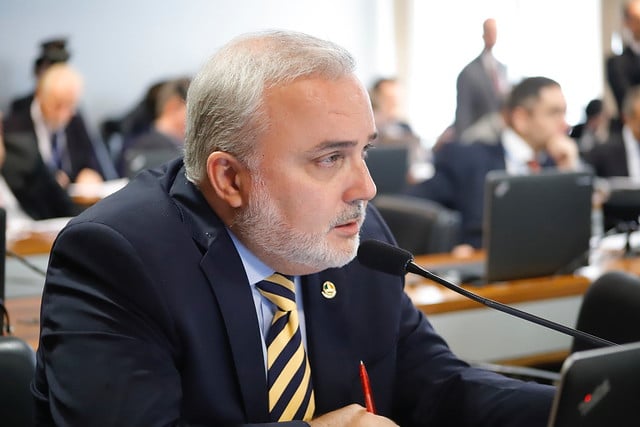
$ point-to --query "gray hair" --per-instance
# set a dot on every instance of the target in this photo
(225, 100)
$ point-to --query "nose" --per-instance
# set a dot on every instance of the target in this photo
(362, 186)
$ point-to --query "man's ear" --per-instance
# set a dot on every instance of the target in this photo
(520, 119)
(225, 175)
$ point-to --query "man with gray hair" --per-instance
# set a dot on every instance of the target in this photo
(224, 291)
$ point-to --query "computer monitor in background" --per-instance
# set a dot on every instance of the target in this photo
(536, 225)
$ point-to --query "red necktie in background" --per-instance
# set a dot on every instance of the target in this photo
(534, 166)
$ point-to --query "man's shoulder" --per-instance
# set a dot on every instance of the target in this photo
(472, 152)
(153, 139)
(471, 67)
(18, 121)
(143, 201)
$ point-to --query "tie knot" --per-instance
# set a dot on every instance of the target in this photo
(280, 290)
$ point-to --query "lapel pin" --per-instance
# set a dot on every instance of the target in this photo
(328, 290)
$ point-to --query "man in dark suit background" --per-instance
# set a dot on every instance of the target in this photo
(620, 155)
(623, 71)
(152, 312)
(48, 144)
(535, 131)
(165, 140)
(482, 84)
(53, 51)
(59, 134)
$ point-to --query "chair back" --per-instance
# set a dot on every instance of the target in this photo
(420, 226)
(610, 309)
(17, 368)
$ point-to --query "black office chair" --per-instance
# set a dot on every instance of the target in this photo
(17, 367)
(610, 309)
(420, 226)
(621, 207)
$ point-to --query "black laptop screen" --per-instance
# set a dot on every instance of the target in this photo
(536, 225)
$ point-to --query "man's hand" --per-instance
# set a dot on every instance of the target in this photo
(351, 416)
(564, 152)
(89, 176)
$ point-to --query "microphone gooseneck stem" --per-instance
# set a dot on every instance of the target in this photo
(412, 267)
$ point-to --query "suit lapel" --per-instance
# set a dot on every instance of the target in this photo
(225, 273)
(230, 286)
(326, 321)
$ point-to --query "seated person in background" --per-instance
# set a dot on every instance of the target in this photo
(15, 213)
(57, 136)
(119, 133)
(620, 155)
(53, 51)
(165, 140)
(392, 128)
(31, 183)
(593, 131)
(274, 178)
(535, 134)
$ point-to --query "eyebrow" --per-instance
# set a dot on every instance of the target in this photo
(332, 145)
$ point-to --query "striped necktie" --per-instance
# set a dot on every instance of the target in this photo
(288, 371)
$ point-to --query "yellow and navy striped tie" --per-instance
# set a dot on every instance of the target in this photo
(288, 371)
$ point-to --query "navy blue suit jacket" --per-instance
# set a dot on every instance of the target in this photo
(146, 322)
(79, 152)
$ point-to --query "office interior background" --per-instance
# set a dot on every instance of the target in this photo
(123, 46)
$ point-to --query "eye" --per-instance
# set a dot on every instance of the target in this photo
(331, 159)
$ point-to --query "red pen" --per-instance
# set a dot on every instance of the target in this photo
(366, 389)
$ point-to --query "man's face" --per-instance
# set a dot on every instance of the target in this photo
(308, 196)
(632, 20)
(633, 121)
(58, 105)
(546, 118)
(489, 33)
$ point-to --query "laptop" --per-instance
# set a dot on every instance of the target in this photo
(533, 225)
(389, 166)
(598, 388)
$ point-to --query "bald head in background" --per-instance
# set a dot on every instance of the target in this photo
(489, 33)
(58, 94)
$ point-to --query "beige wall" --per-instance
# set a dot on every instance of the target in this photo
(611, 23)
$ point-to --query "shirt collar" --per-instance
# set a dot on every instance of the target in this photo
(256, 270)
(517, 149)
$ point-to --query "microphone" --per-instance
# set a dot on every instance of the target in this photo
(390, 259)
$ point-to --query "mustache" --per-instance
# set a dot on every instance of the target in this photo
(355, 212)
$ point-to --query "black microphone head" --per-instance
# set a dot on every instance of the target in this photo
(384, 257)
